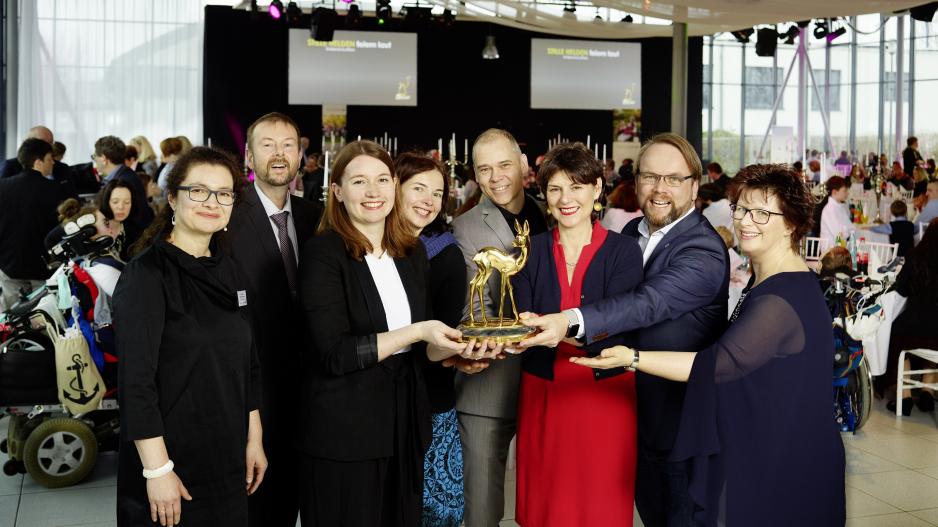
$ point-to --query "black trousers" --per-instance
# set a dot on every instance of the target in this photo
(661, 490)
(356, 494)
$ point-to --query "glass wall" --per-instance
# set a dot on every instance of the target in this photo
(852, 81)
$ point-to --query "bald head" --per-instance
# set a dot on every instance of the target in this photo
(40, 132)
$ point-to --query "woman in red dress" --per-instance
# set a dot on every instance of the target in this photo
(576, 426)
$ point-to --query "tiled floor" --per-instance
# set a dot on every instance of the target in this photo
(892, 481)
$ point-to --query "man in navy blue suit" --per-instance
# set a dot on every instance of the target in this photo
(681, 305)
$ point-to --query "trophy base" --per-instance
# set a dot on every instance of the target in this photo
(503, 331)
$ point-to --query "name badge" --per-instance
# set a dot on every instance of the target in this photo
(242, 298)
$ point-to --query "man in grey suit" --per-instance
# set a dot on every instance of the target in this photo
(486, 403)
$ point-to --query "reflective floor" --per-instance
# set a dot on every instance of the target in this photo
(892, 481)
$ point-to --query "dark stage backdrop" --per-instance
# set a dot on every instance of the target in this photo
(245, 76)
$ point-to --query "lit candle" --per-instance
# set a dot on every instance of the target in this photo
(323, 147)
(439, 147)
(587, 141)
(325, 179)
(385, 139)
(465, 151)
(359, 138)
(395, 146)
(604, 154)
(596, 151)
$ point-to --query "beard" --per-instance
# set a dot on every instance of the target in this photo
(657, 217)
(264, 172)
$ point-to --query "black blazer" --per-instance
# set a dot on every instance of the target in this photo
(27, 213)
(615, 269)
(348, 404)
(680, 306)
(278, 324)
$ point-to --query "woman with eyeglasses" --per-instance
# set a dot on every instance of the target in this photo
(188, 372)
(756, 424)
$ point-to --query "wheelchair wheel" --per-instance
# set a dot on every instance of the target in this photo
(864, 392)
(60, 452)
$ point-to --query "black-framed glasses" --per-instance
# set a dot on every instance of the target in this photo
(759, 216)
(649, 179)
(201, 195)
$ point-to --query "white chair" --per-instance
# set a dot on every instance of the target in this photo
(908, 194)
(904, 380)
(885, 252)
(812, 248)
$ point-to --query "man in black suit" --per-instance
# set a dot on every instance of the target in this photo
(267, 228)
(680, 305)
(61, 173)
(109, 152)
(28, 204)
(911, 158)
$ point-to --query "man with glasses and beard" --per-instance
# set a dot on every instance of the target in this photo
(267, 228)
(681, 305)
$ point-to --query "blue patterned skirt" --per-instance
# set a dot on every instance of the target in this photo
(442, 485)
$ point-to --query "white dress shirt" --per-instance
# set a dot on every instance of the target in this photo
(270, 209)
(835, 221)
(647, 242)
(392, 293)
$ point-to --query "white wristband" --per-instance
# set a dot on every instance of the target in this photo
(159, 472)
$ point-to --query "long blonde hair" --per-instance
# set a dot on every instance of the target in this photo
(144, 149)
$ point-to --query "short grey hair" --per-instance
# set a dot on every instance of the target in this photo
(492, 135)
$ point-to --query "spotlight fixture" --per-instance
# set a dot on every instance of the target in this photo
(803, 23)
(597, 19)
(490, 52)
(627, 19)
(836, 33)
(766, 42)
(322, 27)
(790, 35)
(416, 18)
(275, 9)
(743, 35)
(383, 11)
(294, 13)
(448, 18)
(924, 12)
(820, 29)
(569, 11)
(353, 16)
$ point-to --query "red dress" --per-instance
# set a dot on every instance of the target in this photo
(576, 435)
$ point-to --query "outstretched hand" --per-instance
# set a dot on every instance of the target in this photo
(467, 365)
(614, 357)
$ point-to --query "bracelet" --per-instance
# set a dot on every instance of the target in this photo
(159, 472)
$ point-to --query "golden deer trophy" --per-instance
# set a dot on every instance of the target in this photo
(488, 260)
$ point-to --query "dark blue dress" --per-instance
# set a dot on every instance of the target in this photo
(757, 423)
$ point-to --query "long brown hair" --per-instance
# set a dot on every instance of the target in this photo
(398, 239)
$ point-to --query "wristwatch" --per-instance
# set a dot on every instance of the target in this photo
(634, 364)
(573, 324)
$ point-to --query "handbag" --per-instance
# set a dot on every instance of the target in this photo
(80, 386)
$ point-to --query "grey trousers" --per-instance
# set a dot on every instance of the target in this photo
(10, 289)
(485, 443)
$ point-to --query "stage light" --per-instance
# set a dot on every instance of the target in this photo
(416, 18)
(766, 42)
(448, 18)
(743, 35)
(294, 13)
(627, 19)
(836, 33)
(322, 27)
(353, 16)
(924, 12)
(490, 52)
(383, 11)
(790, 35)
(569, 11)
(820, 29)
(275, 9)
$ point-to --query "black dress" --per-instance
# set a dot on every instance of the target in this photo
(188, 373)
(757, 422)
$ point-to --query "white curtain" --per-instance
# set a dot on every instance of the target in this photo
(90, 68)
